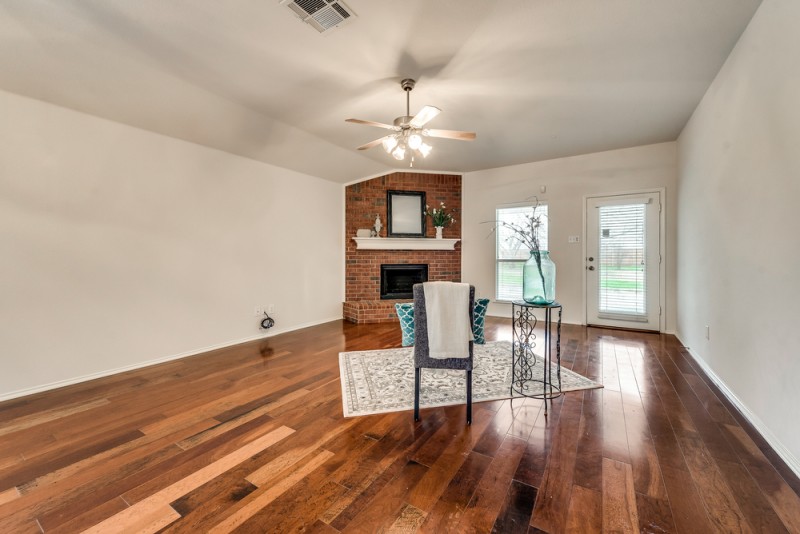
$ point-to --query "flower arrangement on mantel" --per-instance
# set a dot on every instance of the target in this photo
(439, 217)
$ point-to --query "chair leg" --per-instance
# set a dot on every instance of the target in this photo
(469, 397)
(417, 378)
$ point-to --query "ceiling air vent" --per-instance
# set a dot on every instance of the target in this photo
(323, 15)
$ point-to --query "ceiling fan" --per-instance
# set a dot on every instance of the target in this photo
(409, 132)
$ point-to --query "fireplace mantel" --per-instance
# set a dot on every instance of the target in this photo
(405, 243)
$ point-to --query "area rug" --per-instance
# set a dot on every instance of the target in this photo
(379, 381)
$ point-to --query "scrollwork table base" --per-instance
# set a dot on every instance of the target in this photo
(524, 358)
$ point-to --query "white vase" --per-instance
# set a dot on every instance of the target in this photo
(439, 231)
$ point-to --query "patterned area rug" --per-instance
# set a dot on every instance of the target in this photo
(379, 381)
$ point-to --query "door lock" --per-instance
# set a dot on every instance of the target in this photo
(591, 267)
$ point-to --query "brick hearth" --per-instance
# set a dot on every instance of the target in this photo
(362, 271)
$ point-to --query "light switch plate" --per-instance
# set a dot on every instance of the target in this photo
(574, 239)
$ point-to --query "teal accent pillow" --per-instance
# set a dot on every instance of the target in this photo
(479, 313)
(405, 311)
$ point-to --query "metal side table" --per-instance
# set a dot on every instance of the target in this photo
(523, 358)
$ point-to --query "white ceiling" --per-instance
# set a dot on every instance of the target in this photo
(536, 79)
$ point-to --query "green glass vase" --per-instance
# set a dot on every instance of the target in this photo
(539, 279)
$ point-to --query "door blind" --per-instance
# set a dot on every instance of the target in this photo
(622, 277)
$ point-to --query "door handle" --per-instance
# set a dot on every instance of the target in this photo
(591, 267)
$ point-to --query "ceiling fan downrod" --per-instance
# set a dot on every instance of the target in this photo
(408, 84)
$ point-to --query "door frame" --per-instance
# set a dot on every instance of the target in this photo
(662, 248)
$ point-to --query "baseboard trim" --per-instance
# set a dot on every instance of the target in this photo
(784, 453)
(100, 374)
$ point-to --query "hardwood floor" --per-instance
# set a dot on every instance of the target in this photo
(251, 439)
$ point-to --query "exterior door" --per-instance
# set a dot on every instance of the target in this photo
(623, 261)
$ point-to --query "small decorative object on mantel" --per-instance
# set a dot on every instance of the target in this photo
(378, 225)
(440, 218)
(539, 271)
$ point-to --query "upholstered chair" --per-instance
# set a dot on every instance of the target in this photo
(422, 357)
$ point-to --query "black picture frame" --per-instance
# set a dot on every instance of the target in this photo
(406, 213)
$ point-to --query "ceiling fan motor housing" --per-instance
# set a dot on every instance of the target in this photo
(402, 122)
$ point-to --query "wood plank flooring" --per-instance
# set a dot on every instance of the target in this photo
(251, 438)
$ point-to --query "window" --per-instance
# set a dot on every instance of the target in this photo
(511, 254)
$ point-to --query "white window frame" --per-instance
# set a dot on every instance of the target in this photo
(497, 260)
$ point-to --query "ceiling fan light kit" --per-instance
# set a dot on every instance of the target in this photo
(409, 132)
(389, 142)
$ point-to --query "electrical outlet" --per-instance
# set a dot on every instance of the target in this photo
(258, 311)
(271, 309)
(708, 332)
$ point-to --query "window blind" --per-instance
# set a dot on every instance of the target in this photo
(622, 277)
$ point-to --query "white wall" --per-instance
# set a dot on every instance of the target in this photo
(738, 241)
(120, 246)
(568, 180)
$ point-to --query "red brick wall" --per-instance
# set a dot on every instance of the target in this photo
(371, 311)
(362, 270)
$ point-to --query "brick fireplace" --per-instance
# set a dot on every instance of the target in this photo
(364, 200)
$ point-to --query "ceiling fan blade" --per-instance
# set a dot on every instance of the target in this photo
(373, 143)
(451, 134)
(372, 123)
(425, 115)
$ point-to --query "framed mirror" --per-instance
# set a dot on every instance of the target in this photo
(406, 213)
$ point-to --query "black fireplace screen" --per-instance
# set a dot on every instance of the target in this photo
(397, 280)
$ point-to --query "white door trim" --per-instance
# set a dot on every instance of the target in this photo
(662, 249)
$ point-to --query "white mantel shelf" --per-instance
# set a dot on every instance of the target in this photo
(405, 243)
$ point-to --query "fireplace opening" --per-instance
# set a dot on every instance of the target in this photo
(397, 280)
